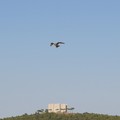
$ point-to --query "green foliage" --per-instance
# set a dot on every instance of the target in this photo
(71, 116)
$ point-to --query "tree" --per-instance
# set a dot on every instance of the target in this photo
(72, 108)
(40, 111)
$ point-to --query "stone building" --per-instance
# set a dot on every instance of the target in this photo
(57, 108)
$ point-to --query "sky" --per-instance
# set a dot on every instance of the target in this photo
(84, 73)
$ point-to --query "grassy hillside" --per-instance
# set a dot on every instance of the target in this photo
(53, 116)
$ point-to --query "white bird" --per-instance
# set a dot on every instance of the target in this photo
(56, 44)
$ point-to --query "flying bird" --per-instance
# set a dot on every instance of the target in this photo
(56, 44)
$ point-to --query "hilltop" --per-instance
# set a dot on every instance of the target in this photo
(71, 116)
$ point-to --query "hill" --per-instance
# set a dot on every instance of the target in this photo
(53, 116)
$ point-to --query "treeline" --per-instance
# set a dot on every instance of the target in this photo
(71, 116)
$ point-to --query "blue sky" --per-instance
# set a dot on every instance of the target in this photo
(84, 73)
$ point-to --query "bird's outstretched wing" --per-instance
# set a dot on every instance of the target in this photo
(60, 43)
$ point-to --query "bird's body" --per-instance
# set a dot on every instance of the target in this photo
(56, 44)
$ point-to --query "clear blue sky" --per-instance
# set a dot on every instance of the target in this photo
(84, 73)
